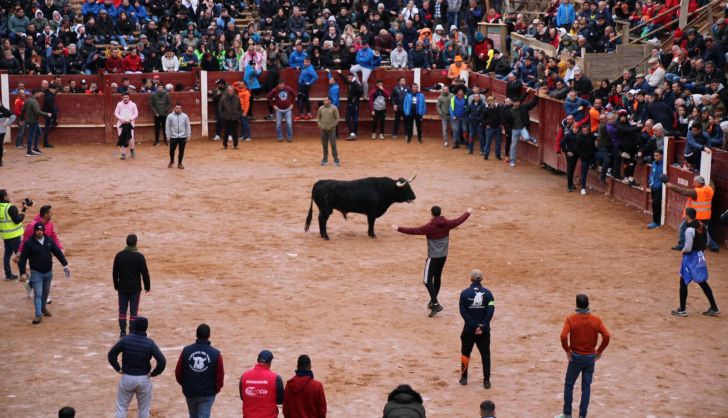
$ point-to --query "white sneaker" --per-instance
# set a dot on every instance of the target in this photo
(352, 135)
(374, 136)
(583, 192)
(241, 139)
(216, 138)
(445, 144)
(381, 136)
(512, 163)
(248, 139)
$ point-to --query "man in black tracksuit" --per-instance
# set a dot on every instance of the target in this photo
(356, 91)
(437, 232)
(397, 97)
(476, 307)
(130, 267)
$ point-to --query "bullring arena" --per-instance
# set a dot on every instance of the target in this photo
(225, 244)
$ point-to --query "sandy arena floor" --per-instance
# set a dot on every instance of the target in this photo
(225, 244)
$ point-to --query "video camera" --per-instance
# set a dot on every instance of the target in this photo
(27, 202)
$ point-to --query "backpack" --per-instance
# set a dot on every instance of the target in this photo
(380, 102)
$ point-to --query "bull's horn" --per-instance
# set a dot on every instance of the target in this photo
(412, 179)
(401, 183)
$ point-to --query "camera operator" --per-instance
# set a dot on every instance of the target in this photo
(11, 229)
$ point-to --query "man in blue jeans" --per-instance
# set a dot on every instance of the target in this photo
(201, 374)
(579, 339)
(39, 251)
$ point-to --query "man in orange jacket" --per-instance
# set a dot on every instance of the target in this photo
(579, 339)
(244, 95)
(700, 198)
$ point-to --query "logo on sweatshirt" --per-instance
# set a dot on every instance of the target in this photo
(283, 95)
(477, 300)
(199, 361)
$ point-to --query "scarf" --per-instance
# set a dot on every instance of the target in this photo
(582, 311)
(301, 373)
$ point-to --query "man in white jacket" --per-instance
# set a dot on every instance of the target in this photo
(178, 131)
(398, 57)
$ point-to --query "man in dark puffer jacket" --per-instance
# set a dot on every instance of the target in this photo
(404, 402)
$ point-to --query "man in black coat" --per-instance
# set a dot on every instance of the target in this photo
(130, 268)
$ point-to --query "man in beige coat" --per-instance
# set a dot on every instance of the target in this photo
(327, 119)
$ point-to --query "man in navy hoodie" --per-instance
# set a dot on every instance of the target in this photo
(438, 233)
(476, 307)
(136, 351)
(201, 374)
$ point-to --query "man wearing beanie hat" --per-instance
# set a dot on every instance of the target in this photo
(304, 396)
(136, 351)
(130, 269)
(39, 251)
(693, 266)
(261, 390)
(476, 307)
(579, 339)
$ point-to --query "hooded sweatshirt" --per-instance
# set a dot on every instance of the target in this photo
(304, 397)
(437, 232)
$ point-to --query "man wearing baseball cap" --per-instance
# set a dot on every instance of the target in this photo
(261, 390)
(39, 251)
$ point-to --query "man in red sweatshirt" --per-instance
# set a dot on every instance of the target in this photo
(304, 396)
(579, 339)
(437, 232)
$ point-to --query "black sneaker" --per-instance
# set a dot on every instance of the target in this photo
(677, 248)
(48, 146)
(714, 249)
(436, 308)
(463, 380)
(486, 384)
(11, 277)
(122, 334)
(429, 304)
(679, 312)
(712, 312)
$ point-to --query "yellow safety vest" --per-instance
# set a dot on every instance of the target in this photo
(8, 228)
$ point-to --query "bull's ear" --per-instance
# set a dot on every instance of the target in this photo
(401, 182)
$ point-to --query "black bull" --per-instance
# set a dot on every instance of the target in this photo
(371, 196)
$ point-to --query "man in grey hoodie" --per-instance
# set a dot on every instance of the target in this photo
(443, 109)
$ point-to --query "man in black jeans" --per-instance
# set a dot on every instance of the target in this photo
(160, 103)
(177, 128)
(397, 97)
(476, 307)
(130, 267)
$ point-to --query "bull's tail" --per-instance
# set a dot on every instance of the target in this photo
(310, 214)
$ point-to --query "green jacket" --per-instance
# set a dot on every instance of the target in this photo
(31, 110)
(160, 103)
(443, 105)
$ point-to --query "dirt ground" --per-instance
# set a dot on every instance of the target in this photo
(225, 244)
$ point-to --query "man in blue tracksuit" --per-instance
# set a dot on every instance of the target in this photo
(136, 351)
(656, 189)
(366, 62)
(201, 374)
(306, 79)
(414, 108)
(333, 89)
(458, 107)
(476, 307)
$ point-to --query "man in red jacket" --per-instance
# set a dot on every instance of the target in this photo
(304, 396)
(438, 233)
(261, 390)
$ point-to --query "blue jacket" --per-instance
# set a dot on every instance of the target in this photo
(197, 370)
(366, 58)
(251, 76)
(476, 307)
(458, 106)
(308, 76)
(295, 60)
(696, 144)
(655, 173)
(136, 353)
(407, 105)
(90, 9)
(565, 14)
(334, 92)
(572, 108)
(110, 10)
